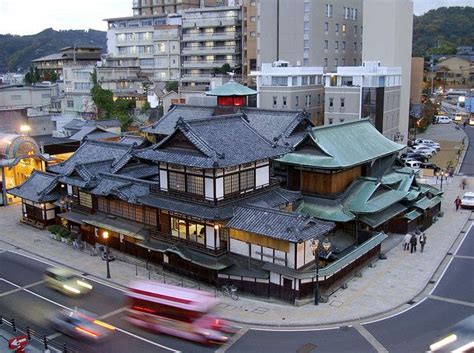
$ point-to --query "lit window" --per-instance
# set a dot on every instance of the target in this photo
(343, 28)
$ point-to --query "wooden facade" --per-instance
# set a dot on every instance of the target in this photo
(321, 181)
(42, 213)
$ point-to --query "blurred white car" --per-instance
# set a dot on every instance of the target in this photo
(467, 200)
(66, 281)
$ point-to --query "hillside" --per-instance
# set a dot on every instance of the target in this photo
(440, 31)
(16, 52)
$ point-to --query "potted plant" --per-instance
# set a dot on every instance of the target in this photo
(53, 229)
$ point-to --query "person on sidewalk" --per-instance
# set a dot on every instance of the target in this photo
(422, 241)
(407, 241)
(457, 202)
(413, 242)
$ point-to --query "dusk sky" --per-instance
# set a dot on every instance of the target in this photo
(84, 14)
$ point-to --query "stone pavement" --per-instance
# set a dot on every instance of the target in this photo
(391, 284)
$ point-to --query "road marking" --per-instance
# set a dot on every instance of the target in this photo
(19, 289)
(296, 330)
(464, 238)
(112, 313)
(117, 328)
(54, 335)
(233, 340)
(395, 314)
(454, 301)
(464, 257)
(370, 338)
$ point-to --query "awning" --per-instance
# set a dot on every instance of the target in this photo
(125, 227)
(376, 219)
(412, 215)
(434, 201)
(72, 216)
(423, 203)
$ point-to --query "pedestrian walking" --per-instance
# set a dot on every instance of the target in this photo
(407, 241)
(413, 242)
(422, 241)
(457, 202)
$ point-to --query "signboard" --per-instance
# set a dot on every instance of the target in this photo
(18, 343)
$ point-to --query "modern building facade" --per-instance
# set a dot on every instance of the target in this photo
(367, 91)
(283, 87)
(325, 33)
(416, 81)
(388, 31)
(211, 37)
(76, 98)
(249, 40)
(163, 7)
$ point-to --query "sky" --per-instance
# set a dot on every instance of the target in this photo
(85, 14)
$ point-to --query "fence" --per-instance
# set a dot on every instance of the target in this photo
(37, 339)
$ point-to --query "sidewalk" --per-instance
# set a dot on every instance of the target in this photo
(390, 284)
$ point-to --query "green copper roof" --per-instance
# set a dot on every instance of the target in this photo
(231, 88)
(341, 146)
(423, 203)
(412, 215)
(434, 201)
(334, 213)
(425, 188)
(376, 219)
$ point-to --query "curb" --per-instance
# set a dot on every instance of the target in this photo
(461, 159)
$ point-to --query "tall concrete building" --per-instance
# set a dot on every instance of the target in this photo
(249, 40)
(388, 31)
(283, 87)
(211, 37)
(325, 33)
(163, 7)
(366, 91)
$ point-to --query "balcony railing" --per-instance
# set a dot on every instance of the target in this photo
(210, 22)
(215, 50)
(210, 36)
(208, 64)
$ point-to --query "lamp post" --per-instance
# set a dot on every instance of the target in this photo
(105, 235)
(442, 175)
(315, 249)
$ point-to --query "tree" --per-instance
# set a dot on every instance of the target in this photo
(103, 100)
(223, 70)
(50, 75)
(171, 86)
(122, 110)
(32, 76)
(145, 108)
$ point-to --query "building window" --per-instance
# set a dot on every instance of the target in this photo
(176, 181)
(343, 102)
(294, 81)
(344, 28)
(195, 184)
(346, 13)
(336, 62)
(253, 3)
(296, 101)
(178, 227)
(328, 11)
(279, 81)
(306, 43)
(336, 44)
(331, 102)
(305, 62)
(231, 183)
(319, 98)
(326, 26)
(354, 61)
(253, 18)
(70, 103)
(306, 26)
(355, 29)
(325, 62)
(304, 80)
(306, 6)
(343, 62)
(330, 121)
(326, 44)
(337, 27)
(274, 101)
(312, 80)
(355, 46)
(355, 15)
(284, 101)
(253, 34)
(247, 180)
(343, 45)
(197, 232)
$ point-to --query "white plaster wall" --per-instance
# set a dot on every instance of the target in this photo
(275, 278)
(209, 188)
(279, 255)
(291, 256)
(210, 237)
(69, 189)
(262, 176)
(308, 252)
(239, 247)
(255, 249)
(219, 188)
(50, 214)
(300, 255)
(163, 180)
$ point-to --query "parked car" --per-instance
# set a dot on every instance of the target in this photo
(424, 150)
(413, 155)
(467, 200)
(413, 164)
(429, 143)
(443, 119)
(430, 166)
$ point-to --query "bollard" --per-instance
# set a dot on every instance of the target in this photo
(149, 274)
(164, 278)
(1, 320)
(45, 342)
(13, 325)
(28, 333)
(182, 282)
(64, 348)
(136, 270)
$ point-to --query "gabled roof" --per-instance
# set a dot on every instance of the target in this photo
(92, 151)
(85, 174)
(341, 146)
(277, 224)
(273, 124)
(123, 187)
(131, 140)
(39, 187)
(223, 142)
(231, 89)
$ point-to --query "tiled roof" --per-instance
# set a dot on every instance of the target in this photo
(125, 188)
(39, 187)
(130, 140)
(219, 142)
(272, 124)
(91, 151)
(341, 146)
(140, 171)
(231, 88)
(289, 226)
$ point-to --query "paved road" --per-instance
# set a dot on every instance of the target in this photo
(411, 331)
(25, 297)
(468, 163)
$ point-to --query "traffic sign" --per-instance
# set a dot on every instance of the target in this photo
(18, 343)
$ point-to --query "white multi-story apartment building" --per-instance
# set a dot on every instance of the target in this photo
(325, 33)
(367, 91)
(281, 86)
(211, 37)
(77, 84)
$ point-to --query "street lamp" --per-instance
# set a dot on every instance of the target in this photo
(315, 248)
(25, 129)
(442, 175)
(105, 235)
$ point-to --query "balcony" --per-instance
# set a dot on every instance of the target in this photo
(203, 64)
(196, 78)
(211, 22)
(203, 50)
(203, 37)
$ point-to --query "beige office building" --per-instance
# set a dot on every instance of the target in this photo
(388, 32)
(325, 33)
(163, 7)
(249, 40)
(416, 81)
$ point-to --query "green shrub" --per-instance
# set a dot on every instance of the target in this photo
(54, 229)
